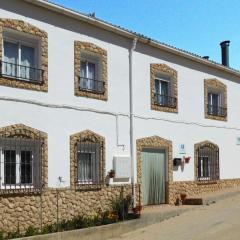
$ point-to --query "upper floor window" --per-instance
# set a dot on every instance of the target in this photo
(163, 92)
(90, 64)
(19, 163)
(90, 79)
(24, 55)
(163, 88)
(21, 58)
(216, 104)
(215, 99)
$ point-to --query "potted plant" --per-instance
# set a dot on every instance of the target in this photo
(137, 209)
(111, 173)
(187, 159)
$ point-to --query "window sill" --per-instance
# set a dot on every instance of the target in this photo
(161, 108)
(20, 79)
(89, 186)
(165, 106)
(206, 182)
(216, 117)
(91, 91)
(20, 191)
(23, 84)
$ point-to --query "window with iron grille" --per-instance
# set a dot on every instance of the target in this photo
(88, 163)
(208, 162)
(20, 161)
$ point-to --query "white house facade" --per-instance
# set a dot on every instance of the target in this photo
(80, 97)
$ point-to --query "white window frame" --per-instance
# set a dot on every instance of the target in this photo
(220, 101)
(20, 40)
(160, 80)
(89, 57)
(18, 169)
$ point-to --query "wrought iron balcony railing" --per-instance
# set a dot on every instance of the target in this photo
(215, 110)
(91, 85)
(21, 72)
(165, 101)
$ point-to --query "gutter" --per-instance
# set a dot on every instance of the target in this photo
(131, 114)
(108, 27)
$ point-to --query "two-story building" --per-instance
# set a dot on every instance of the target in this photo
(80, 97)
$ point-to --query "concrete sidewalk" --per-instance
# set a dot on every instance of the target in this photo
(217, 221)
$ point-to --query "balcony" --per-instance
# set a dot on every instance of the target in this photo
(91, 85)
(215, 110)
(21, 72)
(165, 101)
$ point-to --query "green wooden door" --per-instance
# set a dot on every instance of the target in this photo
(153, 176)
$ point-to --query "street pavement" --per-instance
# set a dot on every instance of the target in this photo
(219, 221)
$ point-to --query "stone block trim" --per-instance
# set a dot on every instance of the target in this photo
(93, 49)
(91, 137)
(25, 132)
(214, 84)
(164, 69)
(197, 146)
(27, 28)
(155, 142)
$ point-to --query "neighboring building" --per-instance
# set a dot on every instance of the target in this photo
(65, 116)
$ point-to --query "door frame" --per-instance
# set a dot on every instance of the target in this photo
(158, 143)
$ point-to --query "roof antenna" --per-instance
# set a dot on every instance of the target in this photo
(93, 15)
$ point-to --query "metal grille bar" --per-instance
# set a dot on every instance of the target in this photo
(208, 162)
(91, 85)
(217, 111)
(165, 101)
(25, 73)
(20, 164)
(89, 163)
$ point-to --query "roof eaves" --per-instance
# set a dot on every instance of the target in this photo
(130, 34)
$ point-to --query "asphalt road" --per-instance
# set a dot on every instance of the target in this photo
(220, 221)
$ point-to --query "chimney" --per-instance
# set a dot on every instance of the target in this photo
(225, 53)
(206, 57)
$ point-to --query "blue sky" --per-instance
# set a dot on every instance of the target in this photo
(194, 25)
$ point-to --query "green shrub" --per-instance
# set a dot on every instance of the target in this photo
(49, 229)
(1, 235)
(31, 231)
(122, 206)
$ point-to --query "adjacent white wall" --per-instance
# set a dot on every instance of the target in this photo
(61, 123)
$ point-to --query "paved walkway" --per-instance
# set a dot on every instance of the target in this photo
(220, 221)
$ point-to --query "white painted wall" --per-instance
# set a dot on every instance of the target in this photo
(61, 123)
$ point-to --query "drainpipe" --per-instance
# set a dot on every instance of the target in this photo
(131, 116)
